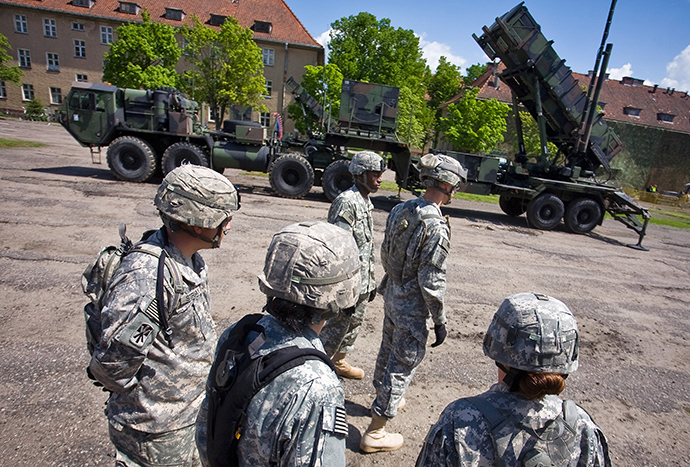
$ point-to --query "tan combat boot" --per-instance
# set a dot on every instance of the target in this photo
(344, 369)
(377, 439)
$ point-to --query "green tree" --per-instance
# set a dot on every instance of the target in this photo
(226, 66)
(475, 125)
(9, 73)
(530, 134)
(474, 72)
(442, 86)
(35, 110)
(319, 81)
(144, 56)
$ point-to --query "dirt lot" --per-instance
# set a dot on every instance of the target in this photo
(57, 210)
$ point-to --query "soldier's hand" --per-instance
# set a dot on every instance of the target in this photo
(440, 331)
(372, 295)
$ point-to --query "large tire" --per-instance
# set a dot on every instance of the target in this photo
(180, 153)
(291, 176)
(131, 159)
(582, 215)
(513, 206)
(545, 211)
(336, 179)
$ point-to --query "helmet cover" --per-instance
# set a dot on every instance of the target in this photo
(535, 333)
(366, 161)
(441, 168)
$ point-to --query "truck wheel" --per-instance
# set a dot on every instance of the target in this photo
(180, 153)
(131, 159)
(336, 179)
(545, 211)
(582, 215)
(512, 206)
(291, 176)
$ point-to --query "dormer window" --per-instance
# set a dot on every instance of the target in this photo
(632, 111)
(666, 118)
(630, 81)
(83, 3)
(217, 20)
(262, 26)
(174, 14)
(129, 8)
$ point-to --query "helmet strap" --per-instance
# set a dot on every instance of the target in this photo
(361, 182)
(512, 377)
(215, 241)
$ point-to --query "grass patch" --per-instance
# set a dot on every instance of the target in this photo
(256, 174)
(15, 143)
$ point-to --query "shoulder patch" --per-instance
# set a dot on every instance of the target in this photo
(139, 333)
(335, 420)
(348, 216)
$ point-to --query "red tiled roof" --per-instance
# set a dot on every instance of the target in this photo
(286, 26)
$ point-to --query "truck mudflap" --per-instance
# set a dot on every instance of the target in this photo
(624, 209)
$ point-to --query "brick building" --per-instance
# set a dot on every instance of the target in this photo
(56, 42)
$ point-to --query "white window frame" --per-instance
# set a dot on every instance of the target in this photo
(52, 61)
(265, 119)
(269, 89)
(82, 78)
(55, 95)
(49, 27)
(268, 56)
(27, 90)
(106, 35)
(20, 24)
(24, 58)
(79, 48)
(77, 26)
(3, 90)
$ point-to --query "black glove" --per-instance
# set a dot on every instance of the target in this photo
(440, 331)
(372, 295)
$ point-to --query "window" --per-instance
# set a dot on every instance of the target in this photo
(632, 111)
(267, 55)
(20, 24)
(77, 26)
(79, 49)
(28, 92)
(24, 58)
(55, 96)
(106, 35)
(84, 3)
(265, 119)
(174, 14)
(49, 28)
(216, 20)
(3, 90)
(666, 118)
(269, 88)
(82, 78)
(262, 26)
(53, 62)
(129, 8)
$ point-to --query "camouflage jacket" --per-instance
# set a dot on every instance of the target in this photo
(462, 436)
(352, 212)
(298, 419)
(154, 388)
(424, 272)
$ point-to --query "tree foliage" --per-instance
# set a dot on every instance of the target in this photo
(144, 56)
(473, 72)
(226, 66)
(530, 134)
(324, 83)
(9, 73)
(441, 87)
(474, 125)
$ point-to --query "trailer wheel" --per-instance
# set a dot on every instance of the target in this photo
(336, 179)
(512, 206)
(545, 211)
(181, 153)
(131, 159)
(291, 176)
(582, 215)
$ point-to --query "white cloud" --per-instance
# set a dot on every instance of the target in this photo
(323, 39)
(433, 51)
(620, 73)
(678, 72)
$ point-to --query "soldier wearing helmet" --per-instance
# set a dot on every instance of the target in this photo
(413, 253)
(156, 371)
(521, 421)
(351, 210)
(311, 274)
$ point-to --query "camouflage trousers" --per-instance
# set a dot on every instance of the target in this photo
(139, 449)
(339, 334)
(399, 355)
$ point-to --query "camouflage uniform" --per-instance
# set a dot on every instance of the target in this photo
(408, 305)
(291, 421)
(460, 437)
(350, 211)
(155, 389)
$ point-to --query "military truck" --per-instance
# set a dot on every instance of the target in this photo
(548, 188)
(147, 131)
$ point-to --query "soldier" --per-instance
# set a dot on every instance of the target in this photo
(157, 384)
(413, 254)
(311, 274)
(521, 420)
(351, 210)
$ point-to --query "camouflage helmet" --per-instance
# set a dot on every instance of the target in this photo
(314, 264)
(441, 168)
(196, 196)
(366, 161)
(535, 333)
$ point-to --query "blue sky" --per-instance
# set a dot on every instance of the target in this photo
(651, 39)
